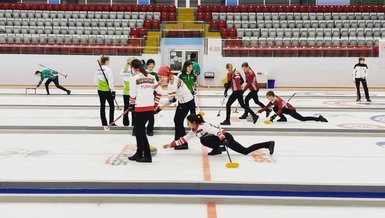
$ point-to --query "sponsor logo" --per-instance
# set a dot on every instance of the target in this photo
(261, 157)
(121, 159)
(378, 118)
(381, 144)
(21, 152)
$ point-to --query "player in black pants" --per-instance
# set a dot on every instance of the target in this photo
(234, 79)
(51, 76)
(213, 137)
(104, 80)
(280, 108)
(360, 73)
(253, 86)
(178, 91)
(142, 88)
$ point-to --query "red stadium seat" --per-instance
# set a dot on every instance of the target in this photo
(214, 25)
(147, 24)
(142, 32)
(233, 32)
(155, 24)
(172, 16)
(221, 24)
(200, 16)
(158, 8)
(164, 16)
(207, 17)
(224, 33)
(134, 32)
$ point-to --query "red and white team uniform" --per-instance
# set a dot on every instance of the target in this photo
(200, 130)
(279, 104)
(178, 89)
(145, 85)
(251, 81)
(235, 78)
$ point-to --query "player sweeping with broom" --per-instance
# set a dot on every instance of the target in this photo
(280, 108)
(177, 91)
(213, 137)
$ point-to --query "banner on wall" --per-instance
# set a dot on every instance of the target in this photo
(214, 47)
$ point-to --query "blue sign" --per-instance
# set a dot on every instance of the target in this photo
(53, 1)
(231, 2)
(143, 2)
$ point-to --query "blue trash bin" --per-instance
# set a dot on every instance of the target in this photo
(271, 83)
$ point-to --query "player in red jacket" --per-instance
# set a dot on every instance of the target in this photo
(235, 81)
(253, 86)
(281, 107)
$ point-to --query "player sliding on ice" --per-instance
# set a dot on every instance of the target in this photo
(280, 108)
(213, 137)
(51, 76)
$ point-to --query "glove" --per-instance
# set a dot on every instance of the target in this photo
(273, 117)
(227, 85)
(225, 142)
(225, 93)
(172, 100)
(193, 92)
(157, 110)
(113, 93)
(131, 108)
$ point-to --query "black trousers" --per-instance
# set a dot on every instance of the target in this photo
(295, 115)
(179, 117)
(214, 142)
(236, 95)
(150, 125)
(56, 82)
(193, 108)
(126, 120)
(103, 96)
(253, 95)
(143, 147)
(365, 85)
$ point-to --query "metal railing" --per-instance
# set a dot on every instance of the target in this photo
(185, 29)
(301, 51)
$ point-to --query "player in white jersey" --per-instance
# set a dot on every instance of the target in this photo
(178, 91)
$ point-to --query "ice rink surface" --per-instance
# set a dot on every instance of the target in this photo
(55, 144)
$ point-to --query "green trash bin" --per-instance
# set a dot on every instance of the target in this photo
(271, 83)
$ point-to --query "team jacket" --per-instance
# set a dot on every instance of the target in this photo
(202, 130)
(236, 80)
(278, 103)
(46, 74)
(155, 74)
(142, 92)
(189, 79)
(178, 89)
(126, 76)
(360, 71)
(101, 81)
(251, 81)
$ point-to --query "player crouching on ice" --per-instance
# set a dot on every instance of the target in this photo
(281, 107)
(213, 137)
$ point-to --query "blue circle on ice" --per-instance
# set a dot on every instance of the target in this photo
(378, 118)
(381, 144)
